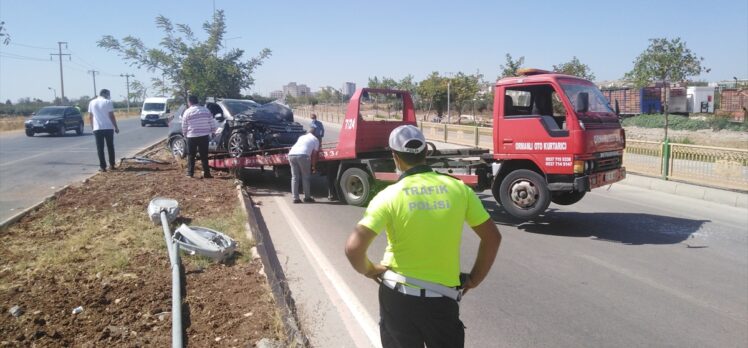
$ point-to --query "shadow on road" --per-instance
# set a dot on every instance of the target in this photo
(625, 228)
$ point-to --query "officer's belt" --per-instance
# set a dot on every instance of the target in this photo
(438, 288)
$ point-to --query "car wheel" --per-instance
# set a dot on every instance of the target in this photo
(355, 185)
(178, 146)
(79, 130)
(237, 144)
(524, 194)
(61, 130)
(142, 124)
(567, 198)
(29, 133)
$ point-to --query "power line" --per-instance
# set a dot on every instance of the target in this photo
(31, 46)
(20, 57)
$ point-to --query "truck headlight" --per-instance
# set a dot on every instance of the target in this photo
(579, 167)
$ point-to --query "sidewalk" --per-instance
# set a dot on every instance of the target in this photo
(726, 197)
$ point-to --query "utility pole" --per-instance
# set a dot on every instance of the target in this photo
(449, 82)
(93, 74)
(127, 79)
(60, 54)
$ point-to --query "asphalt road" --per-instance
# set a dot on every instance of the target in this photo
(32, 168)
(625, 267)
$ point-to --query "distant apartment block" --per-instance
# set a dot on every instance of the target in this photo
(348, 88)
(296, 91)
(277, 95)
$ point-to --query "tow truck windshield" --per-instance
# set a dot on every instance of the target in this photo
(598, 110)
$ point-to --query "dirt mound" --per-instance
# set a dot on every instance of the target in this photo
(95, 248)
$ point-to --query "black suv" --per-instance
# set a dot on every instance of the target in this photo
(55, 120)
(242, 126)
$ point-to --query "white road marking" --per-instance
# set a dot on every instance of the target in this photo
(343, 298)
(675, 292)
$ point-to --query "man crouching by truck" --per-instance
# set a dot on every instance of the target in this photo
(419, 275)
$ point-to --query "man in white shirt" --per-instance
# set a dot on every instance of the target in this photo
(101, 117)
(303, 161)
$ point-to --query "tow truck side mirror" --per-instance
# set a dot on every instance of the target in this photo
(583, 102)
(618, 109)
(218, 117)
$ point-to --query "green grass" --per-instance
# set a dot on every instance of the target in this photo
(678, 122)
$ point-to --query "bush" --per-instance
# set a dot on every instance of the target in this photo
(678, 122)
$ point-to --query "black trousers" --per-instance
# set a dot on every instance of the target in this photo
(195, 145)
(101, 136)
(410, 321)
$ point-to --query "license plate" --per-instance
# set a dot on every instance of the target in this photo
(612, 175)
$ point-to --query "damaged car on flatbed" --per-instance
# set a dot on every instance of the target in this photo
(242, 126)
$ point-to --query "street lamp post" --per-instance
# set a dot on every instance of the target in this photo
(54, 101)
(736, 82)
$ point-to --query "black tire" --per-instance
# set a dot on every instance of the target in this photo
(355, 185)
(524, 194)
(567, 198)
(79, 130)
(61, 130)
(178, 146)
(237, 145)
(29, 133)
(142, 124)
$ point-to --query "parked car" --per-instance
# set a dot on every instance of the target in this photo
(241, 126)
(55, 120)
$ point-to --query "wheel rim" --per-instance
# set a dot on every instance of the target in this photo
(523, 193)
(354, 187)
(177, 147)
(235, 146)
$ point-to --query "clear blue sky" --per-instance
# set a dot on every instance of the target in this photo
(325, 43)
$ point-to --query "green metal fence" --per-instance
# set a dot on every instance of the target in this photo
(703, 165)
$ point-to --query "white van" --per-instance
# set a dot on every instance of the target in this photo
(155, 110)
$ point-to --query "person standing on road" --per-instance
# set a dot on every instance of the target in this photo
(101, 117)
(419, 274)
(303, 160)
(317, 128)
(197, 127)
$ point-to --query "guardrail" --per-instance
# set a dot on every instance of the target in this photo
(704, 165)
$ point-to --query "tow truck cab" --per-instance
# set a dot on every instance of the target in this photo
(555, 138)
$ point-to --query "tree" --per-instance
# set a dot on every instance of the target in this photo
(189, 65)
(511, 67)
(137, 91)
(665, 61)
(463, 89)
(434, 89)
(575, 68)
(4, 36)
(8, 102)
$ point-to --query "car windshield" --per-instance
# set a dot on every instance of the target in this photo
(50, 112)
(239, 106)
(153, 106)
(598, 110)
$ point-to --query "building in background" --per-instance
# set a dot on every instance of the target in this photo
(348, 89)
(277, 95)
(296, 91)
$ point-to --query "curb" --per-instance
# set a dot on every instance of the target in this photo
(719, 196)
(273, 271)
(13, 219)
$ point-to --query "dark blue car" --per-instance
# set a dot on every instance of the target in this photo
(55, 120)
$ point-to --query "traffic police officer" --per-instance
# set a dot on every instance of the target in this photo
(423, 214)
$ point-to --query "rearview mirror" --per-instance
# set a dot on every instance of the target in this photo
(618, 109)
(583, 102)
(218, 117)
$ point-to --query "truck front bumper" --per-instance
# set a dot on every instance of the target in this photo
(588, 182)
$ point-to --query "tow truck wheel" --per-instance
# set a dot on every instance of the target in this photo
(524, 194)
(567, 198)
(237, 144)
(356, 186)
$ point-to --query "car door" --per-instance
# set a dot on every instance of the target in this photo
(69, 119)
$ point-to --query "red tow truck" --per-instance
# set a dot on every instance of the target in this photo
(555, 138)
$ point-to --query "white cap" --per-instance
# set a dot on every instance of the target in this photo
(403, 135)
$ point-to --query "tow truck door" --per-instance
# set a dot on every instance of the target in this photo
(532, 124)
